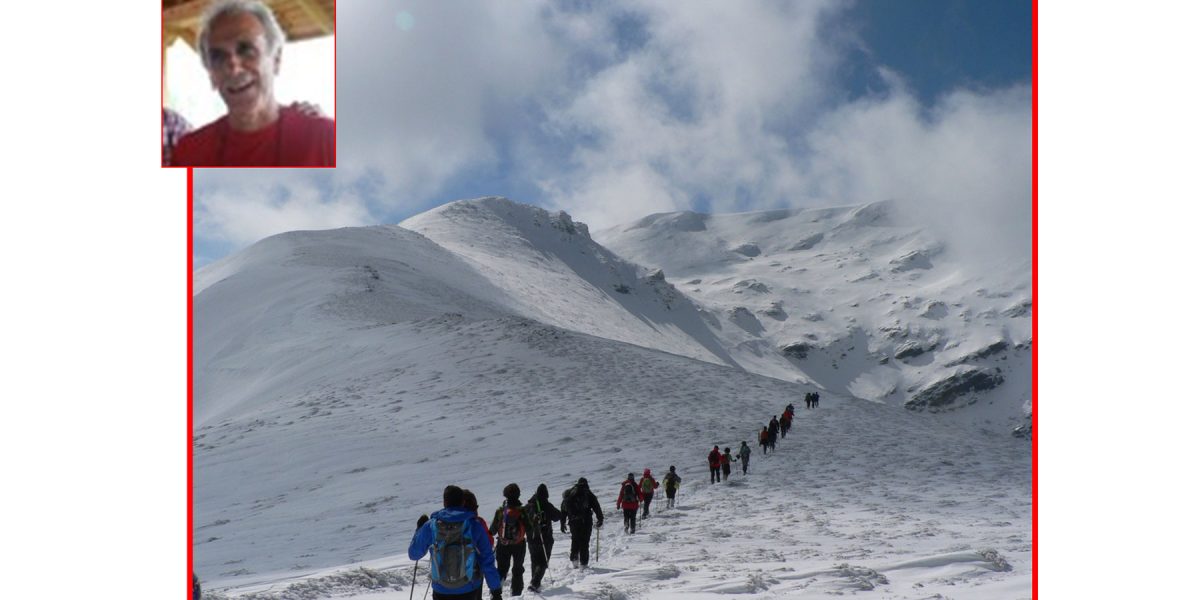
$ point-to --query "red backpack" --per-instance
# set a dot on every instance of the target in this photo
(512, 527)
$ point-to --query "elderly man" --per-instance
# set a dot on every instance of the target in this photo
(241, 44)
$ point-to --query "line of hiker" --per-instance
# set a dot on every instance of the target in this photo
(466, 551)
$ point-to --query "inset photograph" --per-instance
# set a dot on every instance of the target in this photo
(248, 83)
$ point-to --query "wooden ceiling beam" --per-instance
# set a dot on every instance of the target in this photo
(318, 14)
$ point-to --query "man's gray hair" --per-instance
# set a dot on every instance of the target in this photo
(220, 8)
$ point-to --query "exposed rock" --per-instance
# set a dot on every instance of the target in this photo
(775, 311)
(748, 249)
(913, 348)
(989, 350)
(1021, 309)
(935, 310)
(1024, 431)
(796, 350)
(742, 317)
(808, 242)
(917, 259)
(943, 394)
(752, 285)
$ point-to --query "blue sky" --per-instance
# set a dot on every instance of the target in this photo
(615, 110)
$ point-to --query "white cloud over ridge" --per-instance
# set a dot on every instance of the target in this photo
(615, 110)
(255, 211)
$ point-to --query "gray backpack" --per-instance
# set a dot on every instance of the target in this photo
(453, 554)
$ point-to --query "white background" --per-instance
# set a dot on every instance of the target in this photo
(94, 251)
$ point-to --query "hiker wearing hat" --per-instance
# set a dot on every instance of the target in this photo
(628, 500)
(647, 484)
(672, 480)
(578, 505)
(511, 525)
(541, 540)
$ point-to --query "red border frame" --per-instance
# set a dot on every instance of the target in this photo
(1035, 298)
(190, 565)
(1034, 144)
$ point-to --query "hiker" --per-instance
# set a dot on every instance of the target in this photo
(772, 432)
(578, 504)
(471, 503)
(744, 454)
(629, 498)
(785, 424)
(807, 399)
(726, 463)
(195, 587)
(672, 480)
(647, 484)
(510, 526)
(446, 533)
(541, 539)
(714, 465)
(790, 408)
(764, 436)
(816, 399)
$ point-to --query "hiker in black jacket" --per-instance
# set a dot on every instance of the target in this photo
(541, 540)
(512, 527)
(578, 505)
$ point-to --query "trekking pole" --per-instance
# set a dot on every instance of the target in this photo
(599, 531)
(413, 587)
(420, 523)
(430, 582)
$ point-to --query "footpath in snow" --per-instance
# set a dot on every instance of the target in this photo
(842, 507)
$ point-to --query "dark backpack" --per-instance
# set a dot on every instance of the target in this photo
(512, 526)
(537, 515)
(629, 492)
(453, 556)
(672, 481)
(576, 503)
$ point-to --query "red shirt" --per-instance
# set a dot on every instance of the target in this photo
(293, 140)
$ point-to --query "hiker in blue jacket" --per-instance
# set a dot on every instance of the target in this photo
(457, 526)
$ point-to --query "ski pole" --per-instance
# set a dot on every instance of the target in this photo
(599, 530)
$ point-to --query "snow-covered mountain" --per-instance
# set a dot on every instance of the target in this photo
(856, 301)
(343, 377)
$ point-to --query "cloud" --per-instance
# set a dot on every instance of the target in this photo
(963, 167)
(423, 99)
(618, 109)
(242, 215)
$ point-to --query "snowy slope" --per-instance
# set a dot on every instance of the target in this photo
(855, 301)
(554, 273)
(344, 377)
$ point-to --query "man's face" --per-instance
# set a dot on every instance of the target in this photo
(239, 65)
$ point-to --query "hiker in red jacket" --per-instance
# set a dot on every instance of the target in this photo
(628, 500)
(714, 465)
(647, 484)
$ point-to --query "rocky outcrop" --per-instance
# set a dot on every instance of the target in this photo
(989, 350)
(749, 249)
(796, 350)
(913, 348)
(946, 393)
